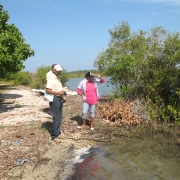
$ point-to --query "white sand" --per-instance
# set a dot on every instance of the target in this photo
(24, 105)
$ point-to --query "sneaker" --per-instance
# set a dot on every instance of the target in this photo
(57, 140)
(82, 127)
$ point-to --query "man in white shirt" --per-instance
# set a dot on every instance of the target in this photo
(54, 87)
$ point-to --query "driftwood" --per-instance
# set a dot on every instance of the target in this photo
(119, 111)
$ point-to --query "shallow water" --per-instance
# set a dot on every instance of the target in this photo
(134, 160)
(127, 159)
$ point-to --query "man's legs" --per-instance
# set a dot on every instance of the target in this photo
(50, 108)
(57, 116)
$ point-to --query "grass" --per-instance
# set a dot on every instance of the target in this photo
(43, 129)
(30, 125)
(8, 83)
(4, 85)
(3, 127)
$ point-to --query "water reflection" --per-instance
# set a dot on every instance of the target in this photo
(133, 159)
(155, 156)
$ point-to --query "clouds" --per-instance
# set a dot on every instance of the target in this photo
(165, 2)
(160, 2)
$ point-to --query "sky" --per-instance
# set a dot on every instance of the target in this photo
(73, 32)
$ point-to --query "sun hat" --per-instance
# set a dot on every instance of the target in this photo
(88, 74)
(58, 67)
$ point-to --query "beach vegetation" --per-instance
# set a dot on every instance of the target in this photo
(14, 50)
(143, 64)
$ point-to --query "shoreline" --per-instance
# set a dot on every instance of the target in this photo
(25, 127)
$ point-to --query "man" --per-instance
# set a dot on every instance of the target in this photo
(54, 87)
(48, 75)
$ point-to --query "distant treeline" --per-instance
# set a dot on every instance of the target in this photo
(80, 73)
(38, 79)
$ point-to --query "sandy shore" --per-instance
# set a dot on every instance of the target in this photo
(26, 149)
(25, 126)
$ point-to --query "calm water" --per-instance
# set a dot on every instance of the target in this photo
(127, 159)
(134, 159)
(104, 88)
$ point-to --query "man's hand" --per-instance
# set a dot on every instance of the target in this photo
(61, 93)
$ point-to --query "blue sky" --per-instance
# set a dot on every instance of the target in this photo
(73, 32)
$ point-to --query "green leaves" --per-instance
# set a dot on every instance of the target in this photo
(144, 64)
(13, 49)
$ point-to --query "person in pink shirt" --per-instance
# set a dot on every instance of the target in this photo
(88, 90)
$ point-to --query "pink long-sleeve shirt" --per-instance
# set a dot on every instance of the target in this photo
(89, 91)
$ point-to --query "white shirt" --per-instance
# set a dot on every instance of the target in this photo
(49, 74)
(54, 83)
(82, 86)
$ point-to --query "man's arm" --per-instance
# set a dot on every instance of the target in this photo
(50, 91)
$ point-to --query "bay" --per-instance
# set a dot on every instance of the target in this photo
(128, 158)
